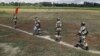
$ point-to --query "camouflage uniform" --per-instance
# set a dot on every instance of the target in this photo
(37, 27)
(15, 20)
(58, 29)
(82, 36)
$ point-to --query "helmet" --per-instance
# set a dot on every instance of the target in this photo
(58, 19)
(36, 18)
(83, 24)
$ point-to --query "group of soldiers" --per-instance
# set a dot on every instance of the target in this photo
(83, 32)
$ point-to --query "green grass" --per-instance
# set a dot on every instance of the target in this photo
(2, 52)
(71, 24)
(32, 46)
(4, 32)
(6, 36)
(42, 47)
(11, 9)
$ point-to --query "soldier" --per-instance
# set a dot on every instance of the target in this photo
(15, 20)
(58, 29)
(82, 36)
(36, 20)
(37, 27)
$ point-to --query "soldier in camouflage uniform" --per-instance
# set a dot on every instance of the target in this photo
(15, 21)
(37, 26)
(82, 36)
(58, 29)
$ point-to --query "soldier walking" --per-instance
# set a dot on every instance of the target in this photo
(37, 27)
(58, 29)
(83, 32)
(15, 21)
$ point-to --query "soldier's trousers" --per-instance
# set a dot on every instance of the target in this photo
(58, 33)
(15, 24)
(37, 31)
(82, 41)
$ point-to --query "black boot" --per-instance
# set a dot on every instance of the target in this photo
(86, 48)
(77, 45)
(57, 39)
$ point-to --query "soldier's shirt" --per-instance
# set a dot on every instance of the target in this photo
(83, 30)
(58, 24)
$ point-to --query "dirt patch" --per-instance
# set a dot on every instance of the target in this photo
(9, 50)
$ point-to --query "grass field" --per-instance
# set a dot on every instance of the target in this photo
(48, 9)
(32, 46)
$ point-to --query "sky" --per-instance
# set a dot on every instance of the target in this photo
(57, 1)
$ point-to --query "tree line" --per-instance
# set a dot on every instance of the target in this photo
(50, 4)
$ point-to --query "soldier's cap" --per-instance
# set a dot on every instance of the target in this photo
(82, 23)
(36, 18)
(58, 18)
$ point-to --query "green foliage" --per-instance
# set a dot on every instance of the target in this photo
(50, 4)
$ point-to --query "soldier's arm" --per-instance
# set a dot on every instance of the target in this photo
(56, 24)
(87, 32)
(79, 32)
